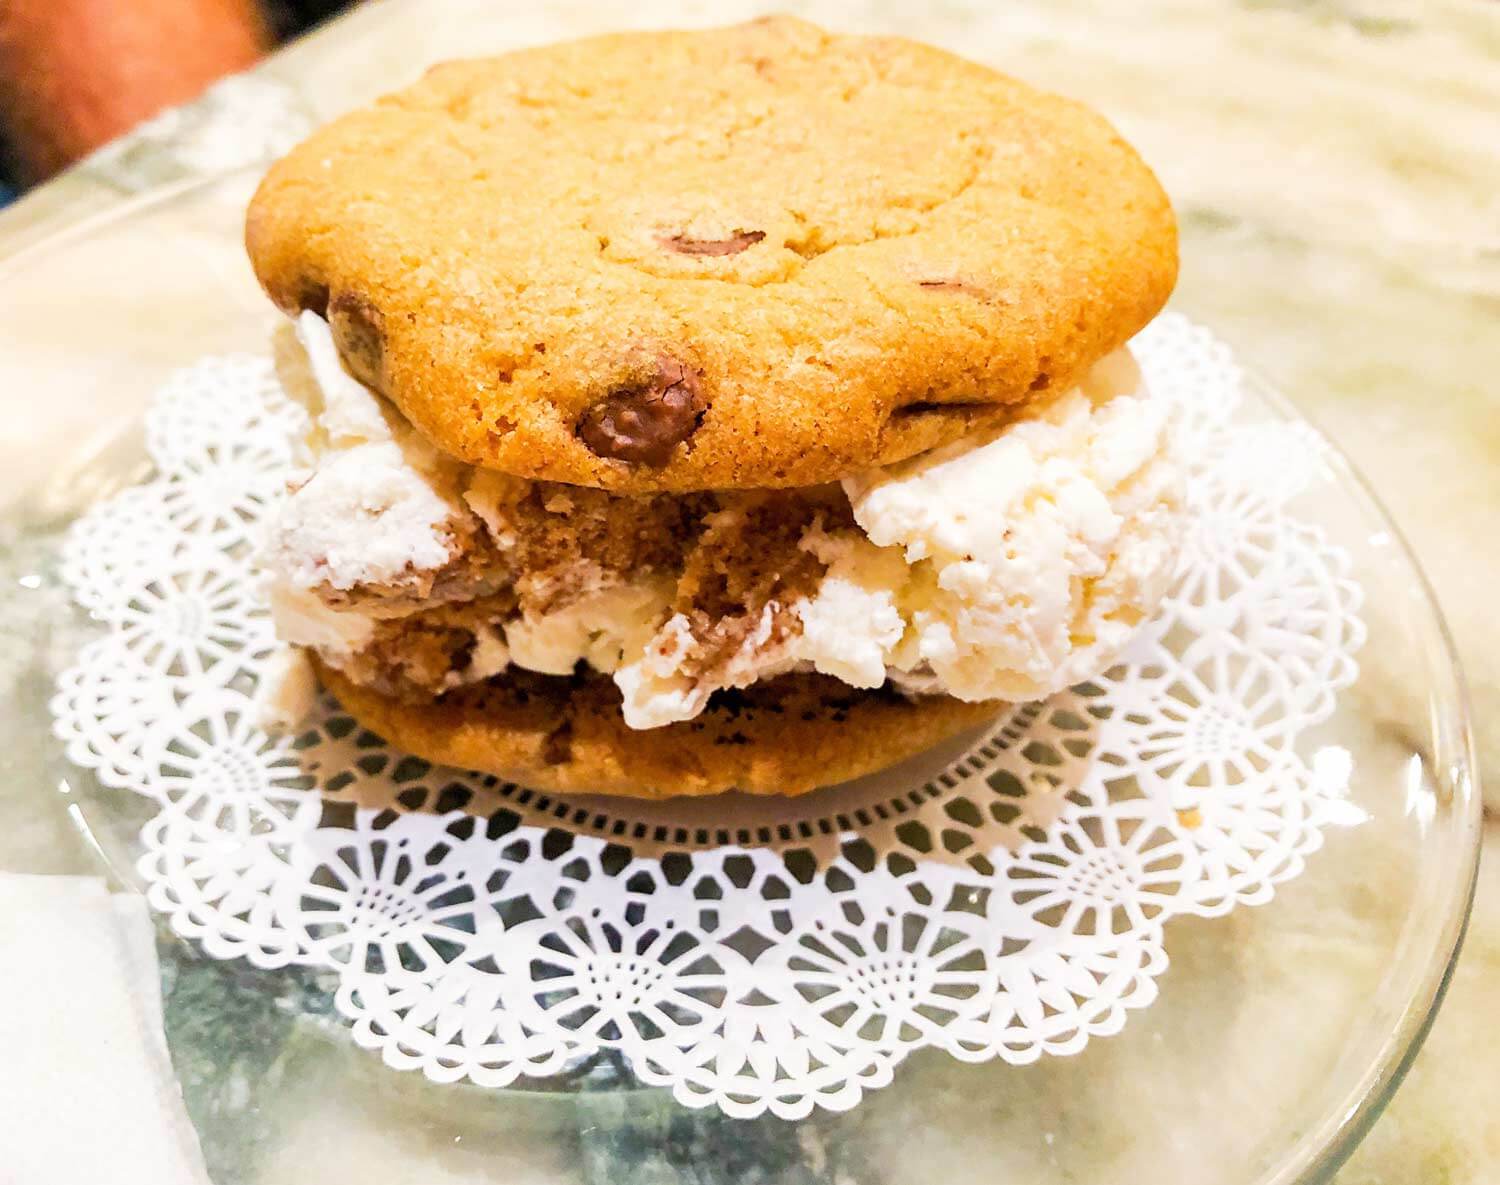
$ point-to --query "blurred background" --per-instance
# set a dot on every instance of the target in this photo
(74, 74)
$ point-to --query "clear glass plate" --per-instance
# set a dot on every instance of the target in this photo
(1279, 1035)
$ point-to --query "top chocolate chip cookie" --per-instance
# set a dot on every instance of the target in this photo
(749, 257)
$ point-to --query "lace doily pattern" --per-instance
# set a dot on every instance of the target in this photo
(1004, 896)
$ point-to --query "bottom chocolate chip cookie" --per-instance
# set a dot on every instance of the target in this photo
(787, 736)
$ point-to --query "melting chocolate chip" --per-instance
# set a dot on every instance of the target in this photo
(741, 240)
(643, 424)
(359, 334)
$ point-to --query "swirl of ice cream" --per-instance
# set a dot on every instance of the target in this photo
(1006, 565)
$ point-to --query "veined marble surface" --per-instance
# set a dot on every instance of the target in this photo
(1336, 168)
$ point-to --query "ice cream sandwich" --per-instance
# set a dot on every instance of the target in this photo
(747, 408)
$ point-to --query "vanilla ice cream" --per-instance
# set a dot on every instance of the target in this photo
(1006, 565)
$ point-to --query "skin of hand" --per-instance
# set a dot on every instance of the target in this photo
(74, 74)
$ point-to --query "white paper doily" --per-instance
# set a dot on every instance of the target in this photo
(1003, 897)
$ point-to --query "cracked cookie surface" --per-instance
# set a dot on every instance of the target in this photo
(757, 256)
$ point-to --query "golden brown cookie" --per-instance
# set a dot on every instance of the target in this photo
(788, 736)
(758, 256)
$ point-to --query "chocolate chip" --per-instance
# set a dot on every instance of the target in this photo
(951, 285)
(741, 240)
(1043, 378)
(644, 423)
(461, 650)
(299, 296)
(930, 407)
(557, 749)
(359, 334)
(313, 296)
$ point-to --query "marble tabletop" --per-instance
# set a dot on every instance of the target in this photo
(1333, 165)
